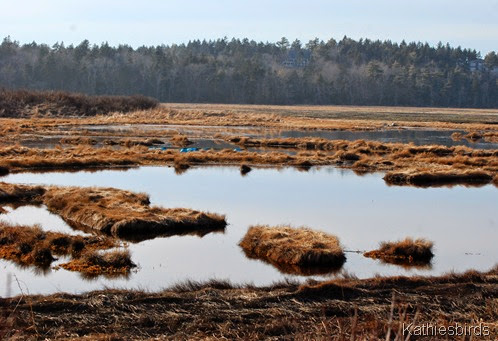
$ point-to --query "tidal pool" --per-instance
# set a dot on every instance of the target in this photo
(361, 210)
(418, 136)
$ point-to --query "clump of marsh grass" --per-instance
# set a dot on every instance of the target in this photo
(244, 169)
(30, 245)
(114, 212)
(457, 136)
(438, 178)
(473, 136)
(180, 141)
(294, 248)
(97, 263)
(404, 252)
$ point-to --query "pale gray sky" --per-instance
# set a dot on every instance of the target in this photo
(472, 24)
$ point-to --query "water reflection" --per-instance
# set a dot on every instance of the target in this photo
(361, 211)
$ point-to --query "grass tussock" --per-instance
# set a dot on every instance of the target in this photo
(96, 263)
(30, 245)
(438, 178)
(119, 213)
(473, 136)
(180, 141)
(244, 169)
(404, 252)
(293, 248)
(25, 103)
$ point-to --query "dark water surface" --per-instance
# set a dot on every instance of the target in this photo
(361, 211)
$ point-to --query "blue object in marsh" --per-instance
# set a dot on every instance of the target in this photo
(187, 150)
(237, 149)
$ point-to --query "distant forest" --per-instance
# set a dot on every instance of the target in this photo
(363, 72)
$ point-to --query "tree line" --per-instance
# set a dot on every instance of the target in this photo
(346, 72)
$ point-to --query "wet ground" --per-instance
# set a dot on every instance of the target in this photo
(361, 210)
(212, 137)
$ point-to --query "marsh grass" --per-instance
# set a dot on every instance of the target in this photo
(408, 252)
(114, 212)
(95, 263)
(245, 169)
(438, 178)
(294, 250)
(180, 141)
(31, 246)
(340, 309)
(467, 165)
(24, 103)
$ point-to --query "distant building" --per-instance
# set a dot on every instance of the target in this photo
(297, 59)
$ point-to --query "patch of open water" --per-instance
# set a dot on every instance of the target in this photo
(361, 210)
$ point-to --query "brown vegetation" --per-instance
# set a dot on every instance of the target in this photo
(294, 248)
(405, 252)
(114, 212)
(473, 136)
(341, 309)
(452, 165)
(30, 245)
(244, 169)
(180, 141)
(24, 103)
(438, 178)
(94, 263)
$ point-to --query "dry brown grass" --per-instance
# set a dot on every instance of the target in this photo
(438, 178)
(180, 141)
(21, 194)
(30, 245)
(292, 248)
(119, 213)
(404, 252)
(95, 263)
(362, 156)
(342, 309)
(24, 103)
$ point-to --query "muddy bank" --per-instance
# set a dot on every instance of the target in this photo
(337, 310)
(114, 212)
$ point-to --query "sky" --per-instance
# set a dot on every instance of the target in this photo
(470, 24)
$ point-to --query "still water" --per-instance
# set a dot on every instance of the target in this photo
(361, 210)
(418, 136)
